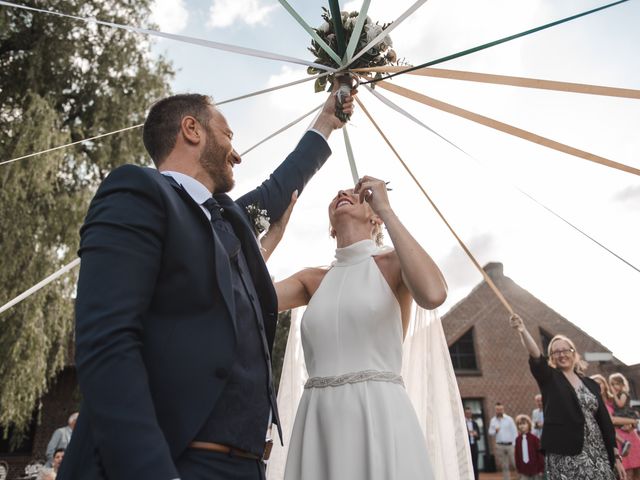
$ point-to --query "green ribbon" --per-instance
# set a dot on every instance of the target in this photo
(496, 42)
(311, 31)
(338, 28)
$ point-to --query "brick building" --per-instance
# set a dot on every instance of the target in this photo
(491, 363)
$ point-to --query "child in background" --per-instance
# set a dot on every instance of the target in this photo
(621, 398)
(529, 459)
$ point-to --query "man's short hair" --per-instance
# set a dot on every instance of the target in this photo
(163, 122)
(498, 404)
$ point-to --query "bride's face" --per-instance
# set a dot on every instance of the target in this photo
(345, 205)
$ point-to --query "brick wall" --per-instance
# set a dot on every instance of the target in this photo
(503, 373)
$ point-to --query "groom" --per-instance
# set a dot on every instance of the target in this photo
(175, 310)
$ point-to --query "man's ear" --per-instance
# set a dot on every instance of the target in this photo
(191, 130)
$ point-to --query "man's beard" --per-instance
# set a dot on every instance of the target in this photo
(213, 160)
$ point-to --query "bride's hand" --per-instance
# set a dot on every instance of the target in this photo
(374, 192)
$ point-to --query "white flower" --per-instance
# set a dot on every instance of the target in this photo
(262, 223)
(259, 218)
(324, 28)
(350, 23)
(373, 31)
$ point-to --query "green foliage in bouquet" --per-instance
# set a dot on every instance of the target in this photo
(379, 55)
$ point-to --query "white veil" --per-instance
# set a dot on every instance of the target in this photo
(430, 383)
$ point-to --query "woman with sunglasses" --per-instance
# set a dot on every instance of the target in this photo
(578, 437)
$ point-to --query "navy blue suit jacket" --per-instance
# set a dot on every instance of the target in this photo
(155, 333)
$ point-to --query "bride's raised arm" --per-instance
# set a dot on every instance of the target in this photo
(420, 274)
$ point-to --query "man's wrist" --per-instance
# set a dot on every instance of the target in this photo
(325, 124)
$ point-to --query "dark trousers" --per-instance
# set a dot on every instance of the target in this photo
(474, 459)
(204, 465)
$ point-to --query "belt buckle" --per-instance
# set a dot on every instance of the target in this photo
(268, 445)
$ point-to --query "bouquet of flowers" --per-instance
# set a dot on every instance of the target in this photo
(378, 55)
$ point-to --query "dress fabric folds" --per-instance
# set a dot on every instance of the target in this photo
(355, 418)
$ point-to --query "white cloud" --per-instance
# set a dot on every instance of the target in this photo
(223, 13)
(170, 15)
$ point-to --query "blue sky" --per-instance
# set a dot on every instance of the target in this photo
(569, 273)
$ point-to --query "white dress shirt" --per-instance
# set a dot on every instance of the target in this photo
(507, 431)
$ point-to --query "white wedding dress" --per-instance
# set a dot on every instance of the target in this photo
(355, 420)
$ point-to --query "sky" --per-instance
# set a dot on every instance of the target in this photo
(477, 193)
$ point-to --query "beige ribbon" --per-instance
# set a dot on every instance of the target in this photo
(513, 81)
(506, 128)
(486, 277)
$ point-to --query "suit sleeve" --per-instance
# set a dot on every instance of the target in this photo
(540, 370)
(120, 248)
(274, 194)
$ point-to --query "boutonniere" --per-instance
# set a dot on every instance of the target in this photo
(259, 218)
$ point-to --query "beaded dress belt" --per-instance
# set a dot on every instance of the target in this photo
(354, 377)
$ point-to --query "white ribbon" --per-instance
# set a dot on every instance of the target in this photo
(357, 30)
(70, 144)
(399, 109)
(39, 285)
(310, 31)
(391, 27)
(352, 160)
(180, 38)
(287, 126)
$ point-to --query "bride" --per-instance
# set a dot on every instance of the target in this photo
(355, 420)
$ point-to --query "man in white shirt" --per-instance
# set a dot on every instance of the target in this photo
(60, 438)
(537, 417)
(503, 428)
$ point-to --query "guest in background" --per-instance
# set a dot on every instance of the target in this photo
(503, 428)
(60, 438)
(58, 455)
(580, 442)
(537, 416)
(626, 436)
(474, 436)
(529, 459)
(621, 398)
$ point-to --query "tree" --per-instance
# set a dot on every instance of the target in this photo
(62, 80)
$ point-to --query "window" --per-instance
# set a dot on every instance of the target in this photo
(545, 339)
(463, 353)
(475, 404)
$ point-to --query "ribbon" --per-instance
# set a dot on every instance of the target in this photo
(389, 29)
(286, 127)
(357, 30)
(506, 128)
(496, 42)
(180, 38)
(39, 285)
(352, 160)
(513, 81)
(487, 278)
(311, 32)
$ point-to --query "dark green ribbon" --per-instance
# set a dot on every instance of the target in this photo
(495, 42)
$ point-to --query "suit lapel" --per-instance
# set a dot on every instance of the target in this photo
(251, 247)
(222, 266)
